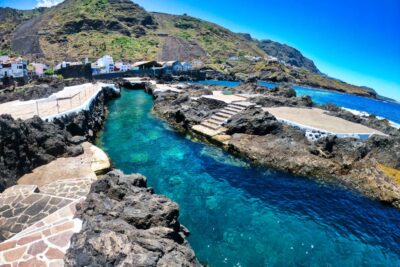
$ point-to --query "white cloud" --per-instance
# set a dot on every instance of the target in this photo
(48, 3)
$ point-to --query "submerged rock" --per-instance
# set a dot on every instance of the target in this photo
(126, 224)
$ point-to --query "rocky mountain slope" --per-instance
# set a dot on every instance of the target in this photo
(288, 55)
(76, 29)
(9, 20)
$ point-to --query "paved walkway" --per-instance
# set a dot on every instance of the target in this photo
(316, 119)
(70, 98)
(37, 215)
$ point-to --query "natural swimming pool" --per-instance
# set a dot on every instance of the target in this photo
(244, 216)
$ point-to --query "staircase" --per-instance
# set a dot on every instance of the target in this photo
(214, 125)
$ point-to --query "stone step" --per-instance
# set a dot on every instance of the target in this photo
(233, 109)
(239, 108)
(223, 115)
(230, 113)
(209, 125)
(243, 104)
(217, 118)
(213, 121)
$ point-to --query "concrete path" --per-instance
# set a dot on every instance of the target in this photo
(70, 98)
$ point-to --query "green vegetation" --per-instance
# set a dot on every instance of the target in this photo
(186, 23)
(49, 72)
(92, 28)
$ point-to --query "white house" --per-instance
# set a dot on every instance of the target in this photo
(105, 64)
(121, 66)
(253, 58)
(271, 59)
(13, 68)
(171, 67)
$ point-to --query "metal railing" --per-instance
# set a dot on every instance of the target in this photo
(51, 106)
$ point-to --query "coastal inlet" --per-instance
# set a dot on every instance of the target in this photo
(239, 215)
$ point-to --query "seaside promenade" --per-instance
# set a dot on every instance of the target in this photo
(70, 99)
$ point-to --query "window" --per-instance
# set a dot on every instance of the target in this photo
(19, 67)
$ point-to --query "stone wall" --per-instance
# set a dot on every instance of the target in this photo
(25, 145)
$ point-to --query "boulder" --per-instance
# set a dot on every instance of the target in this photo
(253, 121)
(126, 224)
(25, 145)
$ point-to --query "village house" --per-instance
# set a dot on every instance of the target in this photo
(252, 58)
(39, 69)
(121, 66)
(146, 65)
(186, 66)
(271, 59)
(103, 65)
(15, 68)
(171, 67)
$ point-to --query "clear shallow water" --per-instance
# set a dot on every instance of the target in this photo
(383, 109)
(244, 216)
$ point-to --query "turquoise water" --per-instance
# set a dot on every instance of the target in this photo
(384, 109)
(244, 216)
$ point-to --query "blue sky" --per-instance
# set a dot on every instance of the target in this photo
(357, 41)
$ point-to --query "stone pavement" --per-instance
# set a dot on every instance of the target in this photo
(37, 215)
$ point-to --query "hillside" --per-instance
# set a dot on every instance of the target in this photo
(288, 55)
(78, 29)
(9, 20)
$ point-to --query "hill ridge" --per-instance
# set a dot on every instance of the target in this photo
(77, 29)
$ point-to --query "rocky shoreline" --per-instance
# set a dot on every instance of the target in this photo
(126, 224)
(137, 227)
(25, 145)
(256, 135)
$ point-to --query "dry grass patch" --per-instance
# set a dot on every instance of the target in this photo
(391, 172)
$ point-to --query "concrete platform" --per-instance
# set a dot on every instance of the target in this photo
(71, 98)
(316, 119)
(207, 131)
(218, 95)
(83, 166)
